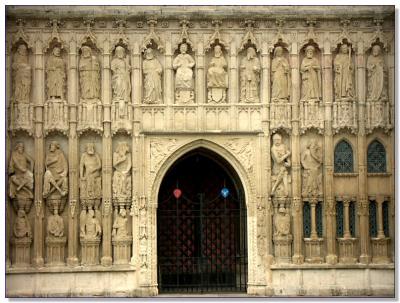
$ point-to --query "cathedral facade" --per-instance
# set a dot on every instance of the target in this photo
(185, 150)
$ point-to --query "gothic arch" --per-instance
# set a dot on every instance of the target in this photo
(209, 145)
(344, 143)
(376, 157)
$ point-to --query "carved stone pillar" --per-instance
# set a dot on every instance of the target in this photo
(314, 244)
(38, 85)
(297, 212)
(347, 244)
(346, 223)
(8, 149)
(136, 80)
(330, 207)
(233, 74)
(200, 84)
(361, 153)
(379, 202)
(380, 244)
(169, 75)
(73, 161)
(106, 259)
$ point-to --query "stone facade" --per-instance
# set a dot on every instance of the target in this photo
(300, 105)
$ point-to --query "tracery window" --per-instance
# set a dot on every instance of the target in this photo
(344, 162)
(373, 227)
(319, 219)
(385, 218)
(352, 218)
(376, 157)
(339, 219)
(306, 220)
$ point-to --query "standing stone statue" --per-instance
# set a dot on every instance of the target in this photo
(343, 68)
(183, 64)
(250, 68)
(55, 224)
(311, 76)
(56, 75)
(280, 76)
(311, 160)
(22, 75)
(281, 223)
(55, 183)
(281, 163)
(217, 77)
(120, 226)
(91, 228)
(376, 75)
(90, 174)
(22, 228)
(89, 75)
(121, 81)
(21, 171)
(152, 71)
(122, 162)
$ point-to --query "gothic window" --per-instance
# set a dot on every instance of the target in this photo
(372, 219)
(376, 157)
(306, 220)
(385, 215)
(344, 158)
(318, 211)
(339, 219)
(352, 218)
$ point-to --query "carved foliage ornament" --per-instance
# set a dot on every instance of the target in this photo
(152, 37)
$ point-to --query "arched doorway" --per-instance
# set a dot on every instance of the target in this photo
(201, 234)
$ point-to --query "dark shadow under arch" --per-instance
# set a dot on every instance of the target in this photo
(201, 238)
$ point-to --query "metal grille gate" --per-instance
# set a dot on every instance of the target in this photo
(202, 242)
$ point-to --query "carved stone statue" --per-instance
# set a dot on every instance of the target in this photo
(376, 69)
(281, 163)
(55, 225)
(282, 223)
(89, 75)
(56, 75)
(121, 82)
(22, 75)
(90, 174)
(152, 71)
(280, 76)
(21, 170)
(250, 68)
(56, 175)
(120, 226)
(183, 64)
(91, 228)
(343, 68)
(22, 228)
(311, 76)
(122, 162)
(217, 77)
(311, 160)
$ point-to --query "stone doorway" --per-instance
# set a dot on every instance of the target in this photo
(201, 227)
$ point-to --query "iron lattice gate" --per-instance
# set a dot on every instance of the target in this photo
(202, 245)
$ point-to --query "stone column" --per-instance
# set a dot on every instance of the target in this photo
(390, 153)
(38, 86)
(346, 232)
(200, 84)
(233, 89)
(379, 202)
(73, 155)
(314, 234)
(9, 209)
(297, 210)
(106, 259)
(169, 85)
(330, 207)
(361, 155)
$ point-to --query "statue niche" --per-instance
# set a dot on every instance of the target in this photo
(217, 77)
(311, 107)
(311, 161)
(122, 180)
(280, 112)
(184, 83)
(121, 109)
(152, 72)
(21, 108)
(378, 108)
(56, 107)
(280, 168)
(90, 107)
(250, 69)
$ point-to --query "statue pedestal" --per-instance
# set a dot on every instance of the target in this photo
(345, 115)
(21, 117)
(283, 248)
(122, 250)
(281, 115)
(90, 251)
(216, 95)
(22, 252)
(184, 96)
(90, 115)
(121, 116)
(314, 249)
(378, 115)
(347, 250)
(380, 250)
(311, 115)
(56, 116)
(55, 250)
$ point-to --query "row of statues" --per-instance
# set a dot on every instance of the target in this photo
(217, 76)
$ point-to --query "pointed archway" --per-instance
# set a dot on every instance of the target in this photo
(201, 230)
